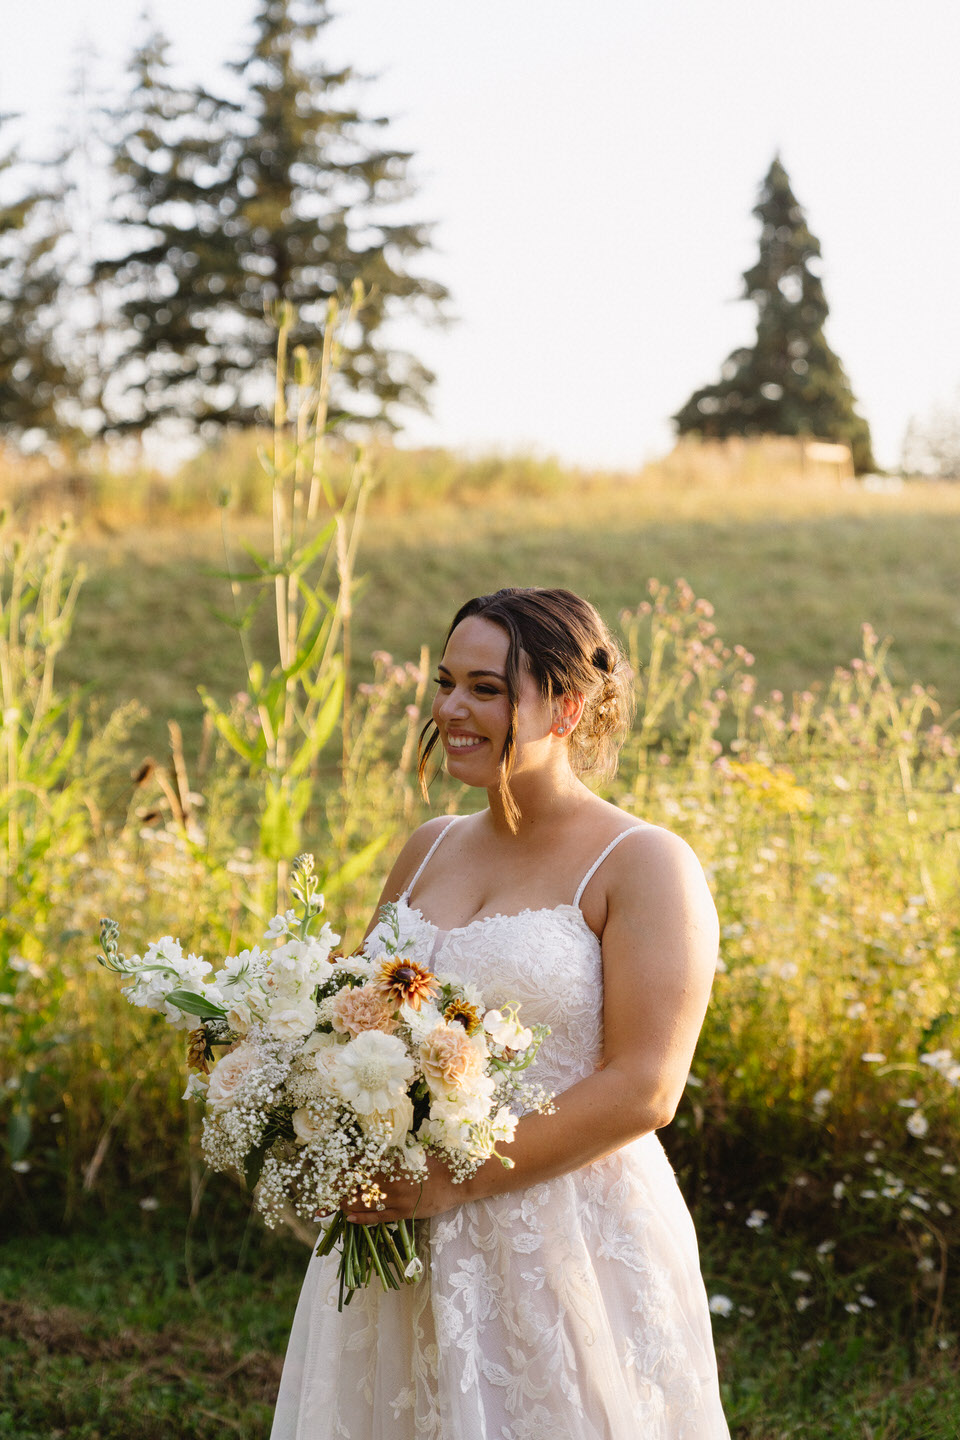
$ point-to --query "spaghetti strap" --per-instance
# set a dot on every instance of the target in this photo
(426, 859)
(600, 859)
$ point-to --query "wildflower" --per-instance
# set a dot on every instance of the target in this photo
(802, 1277)
(917, 1124)
(149, 1202)
(757, 1219)
(406, 981)
(803, 1302)
(720, 1305)
(461, 1012)
(821, 1100)
(372, 1071)
(873, 1057)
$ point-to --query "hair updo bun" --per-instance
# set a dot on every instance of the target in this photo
(568, 650)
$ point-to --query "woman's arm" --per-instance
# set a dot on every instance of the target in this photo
(659, 956)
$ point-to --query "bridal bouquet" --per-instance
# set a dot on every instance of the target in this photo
(338, 1071)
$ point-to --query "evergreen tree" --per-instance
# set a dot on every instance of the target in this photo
(242, 206)
(178, 355)
(789, 382)
(33, 377)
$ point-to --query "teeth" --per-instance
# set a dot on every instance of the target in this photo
(461, 742)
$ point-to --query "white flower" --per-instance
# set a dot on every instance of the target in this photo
(196, 1088)
(420, 1022)
(801, 1276)
(280, 925)
(757, 1219)
(503, 1125)
(306, 1126)
(238, 972)
(917, 1124)
(227, 1074)
(821, 1100)
(372, 1071)
(873, 1057)
(289, 1021)
(720, 1305)
(396, 1121)
(506, 1030)
(240, 1017)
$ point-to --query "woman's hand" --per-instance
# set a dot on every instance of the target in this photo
(410, 1199)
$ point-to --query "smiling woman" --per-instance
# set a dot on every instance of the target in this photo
(562, 1295)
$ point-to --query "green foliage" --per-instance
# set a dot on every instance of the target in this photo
(33, 376)
(235, 209)
(789, 382)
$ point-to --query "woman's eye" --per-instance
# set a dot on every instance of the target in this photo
(487, 690)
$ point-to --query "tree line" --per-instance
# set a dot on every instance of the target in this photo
(277, 191)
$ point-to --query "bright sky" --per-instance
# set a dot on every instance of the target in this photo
(592, 168)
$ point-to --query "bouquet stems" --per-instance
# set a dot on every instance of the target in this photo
(387, 1250)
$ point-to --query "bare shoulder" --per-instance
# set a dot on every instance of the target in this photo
(413, 853)
(656, 877)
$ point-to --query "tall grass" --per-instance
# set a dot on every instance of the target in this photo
(820, 1123)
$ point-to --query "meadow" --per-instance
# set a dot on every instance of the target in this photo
(812, 765)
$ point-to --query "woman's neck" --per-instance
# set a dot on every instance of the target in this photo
(544, 800)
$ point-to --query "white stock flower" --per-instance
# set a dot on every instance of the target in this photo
(372, 1071)
(239, 972)
(721, 1305)
(227, 1074)
(279, 925)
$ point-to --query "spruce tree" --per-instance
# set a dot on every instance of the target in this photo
(240, 206)
(789, 382)
(178, 354)
(34, 379)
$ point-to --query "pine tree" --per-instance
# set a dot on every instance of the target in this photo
(178, 355)
(33, 377)
(242, 206)
(789, 382)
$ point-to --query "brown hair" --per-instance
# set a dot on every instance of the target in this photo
(568, 651)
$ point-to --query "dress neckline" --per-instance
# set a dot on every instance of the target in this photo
(499, 915)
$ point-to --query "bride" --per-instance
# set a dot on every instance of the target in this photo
(562, 1298)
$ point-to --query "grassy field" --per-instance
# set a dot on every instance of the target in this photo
(792, 573)
(829, 829)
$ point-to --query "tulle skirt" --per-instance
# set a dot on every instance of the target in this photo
(573, 1310)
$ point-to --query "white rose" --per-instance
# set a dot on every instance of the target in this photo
(240, 1017)
(398, 1119)
(306, 1126)
(227, 1074)
(289, 1021)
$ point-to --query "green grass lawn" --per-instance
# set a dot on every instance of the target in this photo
(122, 1328)
(792, 581)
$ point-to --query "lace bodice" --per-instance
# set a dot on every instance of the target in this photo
(548, 961)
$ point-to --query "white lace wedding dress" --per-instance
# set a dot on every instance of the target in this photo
(573, 1310)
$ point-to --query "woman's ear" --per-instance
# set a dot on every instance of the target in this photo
(567, 714)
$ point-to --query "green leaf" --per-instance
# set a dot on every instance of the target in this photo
(227, 728)
(253, 1164)
(192, 1004)
(279, 831)
(321, 729)
(18, 1133)
(356, 866)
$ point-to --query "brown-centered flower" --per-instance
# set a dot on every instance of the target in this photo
(465, 1014)
(406, 982)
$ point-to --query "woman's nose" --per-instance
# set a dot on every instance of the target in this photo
(451, 703)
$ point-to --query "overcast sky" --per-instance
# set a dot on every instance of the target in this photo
(591, 169)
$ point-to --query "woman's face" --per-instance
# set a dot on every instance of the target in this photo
(471, 708)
